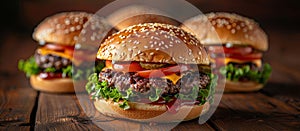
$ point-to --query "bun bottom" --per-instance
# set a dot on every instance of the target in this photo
(250, 86)
(60, 85)
(143, 112)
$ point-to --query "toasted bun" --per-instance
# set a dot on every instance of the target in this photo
(138, 14)
(60, 85)
(150, 113)
(250, 86)
(153, 42)
(145, 18)
(228, 28)
(62, 28)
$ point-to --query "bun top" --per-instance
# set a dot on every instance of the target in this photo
(228, 28)
(153, 42)
(138, 14)
(146, 18)
(62, 28)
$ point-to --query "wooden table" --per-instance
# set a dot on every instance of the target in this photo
(276, 107)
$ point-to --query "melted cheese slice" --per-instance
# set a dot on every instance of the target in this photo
(44, 51)
(256, 62)
(173, 77)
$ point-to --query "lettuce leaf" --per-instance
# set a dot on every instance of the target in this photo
(235, 74)
(29, 67)
(102, 90)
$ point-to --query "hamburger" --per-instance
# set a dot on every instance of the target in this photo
(237, 44)
(138, 14)
(50, 68)
(152, 69)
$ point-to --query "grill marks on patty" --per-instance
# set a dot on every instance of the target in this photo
(49, 60)
(123, 81)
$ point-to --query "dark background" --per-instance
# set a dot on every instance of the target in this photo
(22, 15)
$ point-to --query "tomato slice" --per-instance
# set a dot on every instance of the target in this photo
(230, 50)
(57, 47)
(215, 49)
(69, 52)
(163, 71)
(252, 56)
(127, 67)
(238, 50)
(219, 62)
(108, 64)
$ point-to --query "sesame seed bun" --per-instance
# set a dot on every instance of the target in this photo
(138, 14)
(59, 85)
(150, 113)
(228, 28)
(153, 42)
(62, 28)
(146, 18)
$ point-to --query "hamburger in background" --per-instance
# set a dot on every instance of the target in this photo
(152, 69)
(242, 41)
(138, 14)
(50, 69)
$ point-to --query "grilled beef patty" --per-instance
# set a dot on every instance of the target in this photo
(123, 81)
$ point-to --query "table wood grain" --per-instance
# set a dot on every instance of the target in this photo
(276, 107)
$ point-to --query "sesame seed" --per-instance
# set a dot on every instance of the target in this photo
(151, 45)
(58, 26)
(67, 21)
(152, 53)
(156, 38)
(134, 47)
(157, 49)
(76, 19)
(146, 47)
(72, 29)
(78, 27)
(232, 31)
(92, 38)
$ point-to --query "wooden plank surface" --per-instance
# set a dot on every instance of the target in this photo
(61, 112)
(255, 111)
(17, 102)
(55, 111)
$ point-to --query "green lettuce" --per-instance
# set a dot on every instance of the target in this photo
(235, 74)
(30, 67)
(102, 90)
